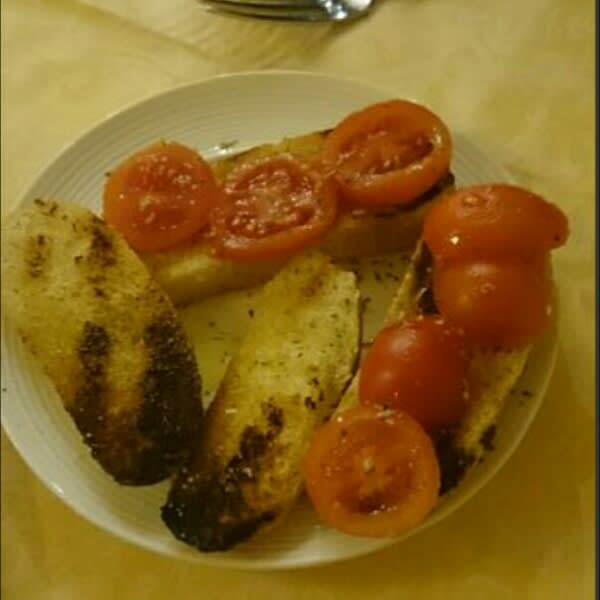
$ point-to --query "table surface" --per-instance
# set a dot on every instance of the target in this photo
(516, 76)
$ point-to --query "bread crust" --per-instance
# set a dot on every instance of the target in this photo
(106, 335)
(284, 381)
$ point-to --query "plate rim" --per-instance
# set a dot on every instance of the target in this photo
(224, 560)
(67, 145)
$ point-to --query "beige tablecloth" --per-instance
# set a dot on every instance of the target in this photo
(516, 76)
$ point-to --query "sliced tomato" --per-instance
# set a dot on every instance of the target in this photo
(493, 221)
(160, 196)
(388, 153)
(418, 366)
(272, 207)
(498, 304)
(372, 472)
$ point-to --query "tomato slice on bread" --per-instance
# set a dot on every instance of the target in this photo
(493, 222)
(418, 366)
(272, 207)
(388, 153)
(372, 472)
(160, 196)
(497, 304)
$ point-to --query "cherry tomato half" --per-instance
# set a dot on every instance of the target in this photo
(372, 472)
(388, 153)
(272, 207)
(418, 366)
(160, 196)
(504, 304)
(493, 221)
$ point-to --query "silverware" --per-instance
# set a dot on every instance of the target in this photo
(292, 10)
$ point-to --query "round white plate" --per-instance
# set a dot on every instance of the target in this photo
(249, 109)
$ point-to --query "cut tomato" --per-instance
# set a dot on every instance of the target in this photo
(160, 196)
(388, 153)
(418, 366)
(372, 472)
(504, 305)
(493, 221)
(272, 207)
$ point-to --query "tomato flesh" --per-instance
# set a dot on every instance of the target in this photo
(493, 222)
(272, 207)
(418, 366)
(372, 472)
(388, 153)
(497, 304)
(160, 196)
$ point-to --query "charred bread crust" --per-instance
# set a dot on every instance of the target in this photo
(207, 507)
(107, 337)
(286, 378)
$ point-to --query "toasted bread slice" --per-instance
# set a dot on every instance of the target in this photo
(191, 272)
(493, 374)
(284, 381)
(106, 335)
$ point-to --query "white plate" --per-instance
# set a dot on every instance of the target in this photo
(248, 108)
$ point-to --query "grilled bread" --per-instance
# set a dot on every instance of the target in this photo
(191, 272)
(285, 380)
(106, 335)
(492, 373)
